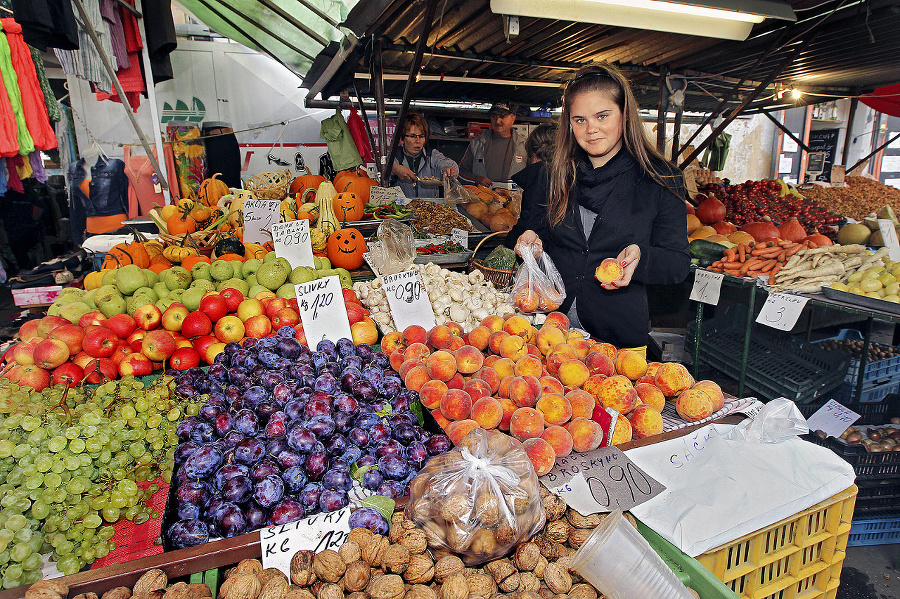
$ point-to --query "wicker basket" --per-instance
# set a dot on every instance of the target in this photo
(202, 241)
(269, 186)
(502, 279)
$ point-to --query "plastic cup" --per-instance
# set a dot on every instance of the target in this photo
(621, 564)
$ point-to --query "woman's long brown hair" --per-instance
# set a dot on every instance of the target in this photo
(610, 81)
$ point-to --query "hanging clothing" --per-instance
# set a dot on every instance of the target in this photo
(360, 137)
(64, 139)
(9, 130)
(33, 105)
(24, 170)
(12, 170)
(337, 135)
(130, 78)
(160, 29)
(47, 23)
(111, 11)
(223, 154)
(11, 81)
(2, 177)
(105, 207)
(85, 62)
(49, 97)
(190, 156)
(142, 180)
(37, 166)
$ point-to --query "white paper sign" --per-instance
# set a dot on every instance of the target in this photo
(781, 311)
(832, 418)
(322, 310)
(889, 236)
(785, 164)
(789, 145)
(707, 286)
(408, 300)
(291, 240)
(460, 236)
(386, 195)
(367, 256)
(890, 164)
(259, 216)
(320, 532)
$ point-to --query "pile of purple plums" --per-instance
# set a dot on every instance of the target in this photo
(283, 429)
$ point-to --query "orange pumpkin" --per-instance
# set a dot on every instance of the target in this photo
(180, 223)
(356, 182)
(123, 254)
(158, 267)
(348, 206)
(192, 260)
(212, 190)
(305, 182)
(346, 248)
(231, 257)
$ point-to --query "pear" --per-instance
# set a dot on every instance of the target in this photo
(69, 295)
(273, 274)
(176, 277)
(191, 298)
(105, 293)
(129, 279)
(250, 267)
(221, 270)
(201, 271)
(152, 277)
(54, 309)
(113, 306)
(164, 303)
(109, 278)
(238, 269)
(175, 294)
(321, 263)
(88, 298)
(302, 274)
(140, 300)
(872, 223)
(161, 289)
(203, 284)
(346, 280)
(254, 291)
(149, 293)
(239, 284)
(269, 257)
(73, 311)
(887, 212)
(251, 281)
(286, 291)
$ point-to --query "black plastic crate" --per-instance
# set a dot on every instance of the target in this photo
(778, 364)
(870, 412)
(877, 496)
(869, 466)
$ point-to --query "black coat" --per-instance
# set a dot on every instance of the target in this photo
(639, 211)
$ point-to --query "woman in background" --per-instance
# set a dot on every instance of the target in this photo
(414, 160)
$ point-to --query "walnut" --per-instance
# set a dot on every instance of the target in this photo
(566, 564)
(395, 532)
(117, 593)
(151, 580)
(500, 569)
(480, 585)
(302, 572)
(350, 552)
(179, 590)
(373, 551)
(468, 571)
(582, 591)
(42, 593)
(483, 544)
(270, 573)
(198, 590)
(446, 566)
(558, 531)
(455, 506)
(591, 521)
(528, 595)
(529, 582)
(510, 584)
(85, 595)
(548, 548)
(487, 509)
(240, 586)
(295, 592)
(356, 578)
(440, 552)
(540, 566)
(415, 541)
(543, 491)
(577, 536)
(564, 551)
(557, 579)
(505, 533)
(360, 536)
(316, 587)
(395, 559)
(546, 593)
(554, 506)
(56, 586)
(630, 519)
(526, 556)
(518, 504)
(330, 591)
(455, 587)
(249, 566)
(420, 591)
(329, 566)
(389, 586)
(420, 569)
(357, 595)
(274, 587)
(434, 534)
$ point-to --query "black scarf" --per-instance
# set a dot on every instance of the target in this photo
(595, 186)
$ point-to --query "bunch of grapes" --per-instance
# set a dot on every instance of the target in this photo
(71, 460)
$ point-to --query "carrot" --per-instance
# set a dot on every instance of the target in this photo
(732, 273)
(729, 254)
(793, 250)
(769, 265)
(731, 265)
(742, 251)
(785, 243)
(812, 245)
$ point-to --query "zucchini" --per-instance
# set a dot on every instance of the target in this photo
(706, 250)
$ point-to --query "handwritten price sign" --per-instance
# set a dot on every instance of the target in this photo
(408, 300)
(320, 532)
(259, 216)
(833, 418)
(707, 286)
(322, 310)
(889, 235)
(460, 236)
(291, 241)
(602, 480)
(781, 311)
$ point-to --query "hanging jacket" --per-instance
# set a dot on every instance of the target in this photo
(107, 204)
(11, 81)
(33, 104)
(343, 151)
(47, 23)
(360, 138)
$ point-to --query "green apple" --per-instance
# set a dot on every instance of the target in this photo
(251, 281)
(161, 289)
(201, 271)
(129, 279)
(250, 267)
(113, 306)
(109, 278)
(273, 274)
(253, 291)
(286, 291)
(221, 270)
(73, 311)
(152, 277)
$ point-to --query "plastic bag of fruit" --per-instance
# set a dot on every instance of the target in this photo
(538, 286)
(478, 500)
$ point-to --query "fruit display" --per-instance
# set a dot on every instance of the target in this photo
(463, 298)
(497, 209)
(875, 439)
(854, 347)
(877, 277)
(861, 197)
(75, 460)
(286, 432)
(868, 231)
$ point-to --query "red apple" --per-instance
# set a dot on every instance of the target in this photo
(23, 353)
(201, 344)
(173, 317)
(29, 330)
(249, 308)
(91, 318)
(70, 334)
(99, 342)
(212, 351)
(48, 323)
(136, 364)
(196, 324)
(158, 345)
(233, 298)
(67, 374)
(182, 342)
(285, 317)
(100, 369)
(184, 358)
(148, 317)
(214, 306)
(292, 303)
(121, 324)
(273, 305)
(136, 339)
(257, 326)
(50, 353)
(301, 335)
(30, 375)
(81, 359)
(122, 350)
(229, 329)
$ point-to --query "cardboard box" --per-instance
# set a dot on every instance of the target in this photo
(36, 296)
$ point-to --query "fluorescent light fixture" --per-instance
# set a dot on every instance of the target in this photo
(725, 19)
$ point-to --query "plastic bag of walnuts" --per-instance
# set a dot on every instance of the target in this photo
(479, 499)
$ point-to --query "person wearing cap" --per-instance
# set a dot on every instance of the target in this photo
(498, 153)
(415, 161)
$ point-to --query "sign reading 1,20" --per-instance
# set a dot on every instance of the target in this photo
(321, 300)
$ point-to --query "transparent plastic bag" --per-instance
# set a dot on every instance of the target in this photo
(480, 499)
(538, 286)
(455, 193)
(396, 247)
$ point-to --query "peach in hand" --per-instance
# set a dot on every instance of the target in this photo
(609, 270)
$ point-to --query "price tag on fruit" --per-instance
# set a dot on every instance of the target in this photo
(460, 236)
(707, 286)
(602, 480)
(832, 418)
(408, 300)
(317, 533)
(291, 241)
(781, 311)
(889, 235)
(259, 216)
(322, 310)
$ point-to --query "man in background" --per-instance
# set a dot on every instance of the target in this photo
(498, 153)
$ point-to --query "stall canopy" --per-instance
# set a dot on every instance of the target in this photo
(884, 99)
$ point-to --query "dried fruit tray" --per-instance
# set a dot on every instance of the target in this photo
(880, 530)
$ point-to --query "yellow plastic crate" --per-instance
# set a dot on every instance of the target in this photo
(799, 557)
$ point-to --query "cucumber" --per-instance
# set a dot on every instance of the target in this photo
(706, 250)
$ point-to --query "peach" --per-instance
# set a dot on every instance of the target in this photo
(457, 431)
(431, 393)
(541, 454)
(606, 348)
(455, 343)
(559, 439)
(694, 405)
(493, 322)
(396, 359)
(592, 385)
(439, 337)
(673, 378)
(549, 337)
(442, 420)
(529, 364)
(646, 379)
(416, 377)
(457, 382)
(609, 270)
(490, 359)
(455, 328)
(558, 320)
(468, 359)
(652, 367)
(599, 363)
(714, 391)
(551, 384)
(555, 408)
(489, 376)
(521, 392)
(574, 334)
(534, 351)
(495, 339)
(414, 334)
(519, 326)
(645, 421)
(622, 433)
(582, 347)
(504, 367)
(456, 404)
(573, 373)
(631, 364)
(503, 389)
(618, 393)
(651, 396)
(487, 412)
(479, 337)
(582, 403)
(513, 347)
(416, 350)
(526, 423)
(391, 342)
(587, 435)
(559, 354)
(535, 384)
(527, 300)
(477, 388)
(441, 365)
(407, 366)
(509, 408)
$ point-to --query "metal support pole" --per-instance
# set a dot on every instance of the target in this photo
(857, 393)
(378, 92)
(92, 33)
(745, 351)
(679, 112)
(662, 108)
(787, 131)
(854, 103)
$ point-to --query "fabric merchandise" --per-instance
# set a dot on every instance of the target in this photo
(433, 165)
(85, 62)
(106, 206)
(9, 130)
(13, 181)
(190, 156)
(473, 162)
(142, 194)
(160, 29)
(111, 11)
(47, 23)
(631, 208)
(223, 154)
(33, 105)
(337, 135)
(131, 78)
(64, 139)
(14, 93)
(3, 177)
(37, 166)
(24, 170)
(360, 137)
(49, 97)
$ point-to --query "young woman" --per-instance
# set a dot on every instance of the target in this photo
(414, 161)
(608, 193)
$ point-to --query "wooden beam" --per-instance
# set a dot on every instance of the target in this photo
(378, 92)
(661, 108)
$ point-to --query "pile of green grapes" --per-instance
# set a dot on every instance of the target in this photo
(70, 463)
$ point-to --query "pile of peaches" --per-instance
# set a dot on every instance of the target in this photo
(541, 385)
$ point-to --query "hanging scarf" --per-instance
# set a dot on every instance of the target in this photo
(26, 143)
(594, 187)
(33, 104)
(9, 131)
(49, 97)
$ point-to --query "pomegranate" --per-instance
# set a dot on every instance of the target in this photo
(712, 210)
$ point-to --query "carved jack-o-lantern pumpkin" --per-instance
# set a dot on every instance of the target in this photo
(346, 248)
(348, 207)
